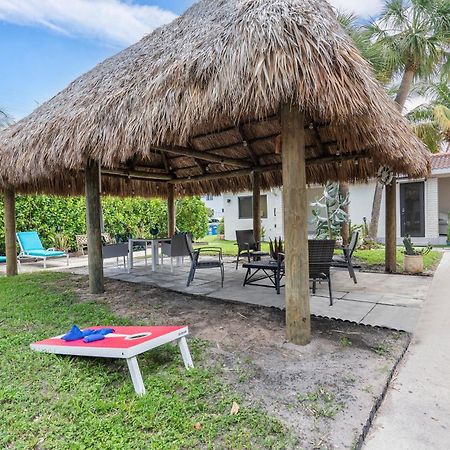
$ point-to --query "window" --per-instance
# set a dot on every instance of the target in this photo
(209, 197)
(246, 207)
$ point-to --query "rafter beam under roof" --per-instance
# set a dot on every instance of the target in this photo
(184, 151)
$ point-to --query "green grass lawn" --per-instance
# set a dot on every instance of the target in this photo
(59, 402)
(228, 247)
(375, 257)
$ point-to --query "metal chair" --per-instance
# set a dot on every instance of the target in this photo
(247, 246)
(346, 260)
(176, 248)
(213, 261)
(320, 256)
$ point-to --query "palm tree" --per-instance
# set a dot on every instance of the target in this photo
(414, 36)
(5, 119)
(431, 120)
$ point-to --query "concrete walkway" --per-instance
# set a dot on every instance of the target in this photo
(416, 411)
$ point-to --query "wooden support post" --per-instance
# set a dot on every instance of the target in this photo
(257, 206)
(93, 212)
(391, 228)
(295, 205)
(10, 233)
(171, 216)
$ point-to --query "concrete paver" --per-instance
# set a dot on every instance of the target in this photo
(415, 414)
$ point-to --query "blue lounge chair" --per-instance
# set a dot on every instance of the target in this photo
(2, 259)
(31, 247)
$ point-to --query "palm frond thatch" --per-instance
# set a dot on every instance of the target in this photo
(212, 81)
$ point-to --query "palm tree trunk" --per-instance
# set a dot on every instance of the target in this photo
(400, 99)
(405, 87)
(376, 208)
(345, 231)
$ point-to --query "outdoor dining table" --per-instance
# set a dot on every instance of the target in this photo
(155, 243)
(269, 269)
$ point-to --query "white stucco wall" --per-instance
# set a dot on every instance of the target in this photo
(437, 198)
(273, 224)
(216, 204)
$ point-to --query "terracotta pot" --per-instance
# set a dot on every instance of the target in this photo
(413, 263)
(221, 237)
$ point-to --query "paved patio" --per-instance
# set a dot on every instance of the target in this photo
(392, 301)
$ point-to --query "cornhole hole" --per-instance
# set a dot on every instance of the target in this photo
(126, 343)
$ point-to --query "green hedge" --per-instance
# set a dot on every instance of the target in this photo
(56, 217)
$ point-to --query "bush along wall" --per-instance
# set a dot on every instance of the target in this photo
(59, 219)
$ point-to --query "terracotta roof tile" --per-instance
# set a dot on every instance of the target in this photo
(440, 161)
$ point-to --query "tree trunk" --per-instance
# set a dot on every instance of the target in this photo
(405, 88)
(95, 258)
(10, 233)
(345, 229)
(171, 213)
(257, 207)
(295, 205)
(400, 99)
(376, 208)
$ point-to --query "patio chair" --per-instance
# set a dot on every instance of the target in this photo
(176, 248)
(247, 246)
(346, 260)
(31, 247)
(203, 262)
(320, 257)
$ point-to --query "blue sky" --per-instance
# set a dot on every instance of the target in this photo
(45, 44)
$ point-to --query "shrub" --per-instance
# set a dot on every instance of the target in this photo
(59, 219)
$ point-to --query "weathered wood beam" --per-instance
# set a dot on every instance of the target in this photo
(184, 151)
(391, 227)
(257, 206)
(138, 174)
(229, 173)
(10, 232)
(171, 214)
(268, 168)
(93, 211)
(295, 207)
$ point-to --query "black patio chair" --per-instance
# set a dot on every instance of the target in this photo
(320, 256)
(247, 246)
(346, 260)
(199, 261)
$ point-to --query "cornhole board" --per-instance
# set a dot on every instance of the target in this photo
(126, 343)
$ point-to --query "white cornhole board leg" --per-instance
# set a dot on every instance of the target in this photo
(136, 376)
(185, 353)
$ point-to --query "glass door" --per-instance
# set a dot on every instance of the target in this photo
(412, 209)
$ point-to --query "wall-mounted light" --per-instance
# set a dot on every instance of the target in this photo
(228, 200)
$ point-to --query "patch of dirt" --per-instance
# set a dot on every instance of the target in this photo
(324, 392)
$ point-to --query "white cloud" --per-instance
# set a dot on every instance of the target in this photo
(114, 21)
(362, 8)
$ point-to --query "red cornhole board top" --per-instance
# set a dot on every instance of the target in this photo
(125, 342)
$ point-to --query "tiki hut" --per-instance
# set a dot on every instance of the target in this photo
(232, 95)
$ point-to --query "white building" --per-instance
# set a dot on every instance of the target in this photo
(216, 204)
(422, 207)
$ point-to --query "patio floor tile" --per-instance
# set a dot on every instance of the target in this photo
(396, 317)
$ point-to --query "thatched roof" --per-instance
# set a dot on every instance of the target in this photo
(211, 83)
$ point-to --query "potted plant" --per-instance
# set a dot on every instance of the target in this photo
(221, 229)
(413, 261)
